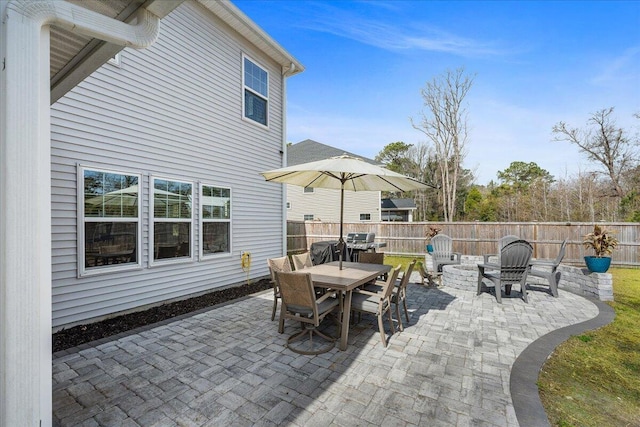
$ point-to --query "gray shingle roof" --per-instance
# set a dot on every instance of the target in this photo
(397, 204)
(311, 151)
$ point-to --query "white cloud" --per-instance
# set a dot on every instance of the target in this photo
(333, 20)
(621, 67)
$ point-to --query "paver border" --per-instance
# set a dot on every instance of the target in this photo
(524, 372)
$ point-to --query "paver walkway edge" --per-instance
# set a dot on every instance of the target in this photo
(526, 368)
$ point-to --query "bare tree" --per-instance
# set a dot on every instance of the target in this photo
(444, 121)
(604, 143)
(424, 167)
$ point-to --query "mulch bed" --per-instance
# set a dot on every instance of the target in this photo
(81, 334)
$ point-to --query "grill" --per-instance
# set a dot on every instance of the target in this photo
(362, 242)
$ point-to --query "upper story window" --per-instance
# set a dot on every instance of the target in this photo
(110, 212)
(172, 219)
(215, 203)
(365, 217)
(256, 91)
(308, 217)
(308, 190)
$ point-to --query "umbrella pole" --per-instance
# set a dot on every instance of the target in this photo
(341, 240)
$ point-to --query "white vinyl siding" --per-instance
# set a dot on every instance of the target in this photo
(169, 111)
(325, 204)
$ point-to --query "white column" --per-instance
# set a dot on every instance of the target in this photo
(25, 225)
(25, 194)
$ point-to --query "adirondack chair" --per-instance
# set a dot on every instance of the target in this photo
(513, 268)
(547, 268)
(501, 244)
(443, 253)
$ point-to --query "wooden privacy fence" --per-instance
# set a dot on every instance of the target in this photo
(475, 238)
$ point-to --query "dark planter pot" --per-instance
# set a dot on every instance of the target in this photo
(597, 265)
(429, 248)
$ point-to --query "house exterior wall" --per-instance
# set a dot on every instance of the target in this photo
(324, 204)
(174, 111)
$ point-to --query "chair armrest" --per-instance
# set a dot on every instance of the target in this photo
(489, 266)
(543, 262)
(326, 295)
(486, 257)
(363, 291)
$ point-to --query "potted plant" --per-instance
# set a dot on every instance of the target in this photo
(432, 232)
(603, 243)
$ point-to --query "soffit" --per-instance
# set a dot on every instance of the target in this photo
(74, 56)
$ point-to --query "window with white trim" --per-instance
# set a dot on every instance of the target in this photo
(308, 190)
(110, 213)
(215, 204)
(172, 215)
(288, 205)
(255, 98)
(308, 217)
(365, 217)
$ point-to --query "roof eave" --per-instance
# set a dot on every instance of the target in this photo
(240, 22)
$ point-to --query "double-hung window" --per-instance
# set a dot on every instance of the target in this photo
(215, 235)
(256, 92)
(110, 212)
(172, 219)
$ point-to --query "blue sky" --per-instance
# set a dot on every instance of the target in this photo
(535, 64)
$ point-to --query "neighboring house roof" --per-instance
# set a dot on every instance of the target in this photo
(397, 204)
(311, 151)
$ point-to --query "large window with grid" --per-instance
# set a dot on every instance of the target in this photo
(172, 219)
(110, 215)
(256, 92)
(215, 235)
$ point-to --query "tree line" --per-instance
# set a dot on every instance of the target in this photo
(524, 191)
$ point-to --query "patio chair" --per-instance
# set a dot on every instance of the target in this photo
(301, 261)
(281, 264)
(299, 302)
(378, 303)
(443, 253)
(399, 293)
(547, 269)
(373, 258)
(501, 244)
(513, 268)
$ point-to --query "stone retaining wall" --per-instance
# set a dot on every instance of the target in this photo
(596, 285)
(574, 279)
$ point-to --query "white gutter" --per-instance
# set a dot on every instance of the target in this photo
(25, 193)
(285, 74)
(236, 19)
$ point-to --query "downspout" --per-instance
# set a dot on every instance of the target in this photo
(285, 74)
(25, 192)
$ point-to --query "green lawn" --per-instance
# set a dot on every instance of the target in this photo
(594, 379)
(394, 260)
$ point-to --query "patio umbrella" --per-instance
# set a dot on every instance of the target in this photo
(344, 173)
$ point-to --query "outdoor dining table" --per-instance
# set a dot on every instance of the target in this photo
(352, 275)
